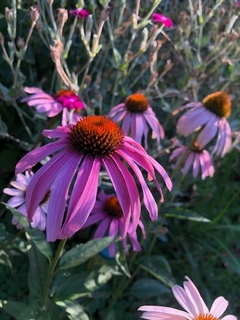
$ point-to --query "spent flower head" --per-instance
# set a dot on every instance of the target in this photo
(209, 119)
(190, 299)
(73, 171)
(65, 101)
(136, 116)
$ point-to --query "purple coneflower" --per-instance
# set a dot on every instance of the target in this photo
(108, 213)
(82, 149)
(190, 299)
(65, 101)
(210, 117)
(80, 13)
(17, 200)
(136, 115)
(160, 18)
(195, 157)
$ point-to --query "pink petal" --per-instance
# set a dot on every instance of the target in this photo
(34, 156)
(218, 307)
(156, 312)
(83, 196)
(59, 195)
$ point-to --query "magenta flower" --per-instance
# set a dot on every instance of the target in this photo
(80, 13)
(17, 200)
(108, 213)
(65, 101)
(190, 299)
(210, 117)
(82, 149)
(160, 18)
(197, 158)
(135, 116)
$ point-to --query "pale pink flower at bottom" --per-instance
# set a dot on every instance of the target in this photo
(190, 299)
(197, 158)
(109, 214)
(17, 201)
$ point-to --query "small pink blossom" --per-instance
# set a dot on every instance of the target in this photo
(190, 299)
(17, 200)
(197, 158)
(108, 213)
(80, 13)
(160, 18)
(65, 101)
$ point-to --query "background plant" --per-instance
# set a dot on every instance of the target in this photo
(106, 57)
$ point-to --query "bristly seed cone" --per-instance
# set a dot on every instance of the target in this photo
(219, 103)
(113, 208)
(136, 103)
(96, 135)
(206, 317)
(196, 147)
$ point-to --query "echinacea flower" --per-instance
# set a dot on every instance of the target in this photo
(160, 18)
(210, 117)
(135, 116)
(17, 200)
(109, 214)
(82, 149)
(65, 101)
(195, 157)
(80, 13)
(190, 299)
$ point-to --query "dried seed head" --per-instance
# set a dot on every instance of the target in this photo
(34, 14)
(9, 15)
(62, 16)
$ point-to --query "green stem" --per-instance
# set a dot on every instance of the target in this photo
(51, 271)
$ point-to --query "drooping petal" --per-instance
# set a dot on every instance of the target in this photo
(122, 192)
(163, 313)
(36, 155)
(83, 196)
(41, 182)
(59, 195)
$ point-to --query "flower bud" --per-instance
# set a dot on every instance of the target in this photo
(34, 14)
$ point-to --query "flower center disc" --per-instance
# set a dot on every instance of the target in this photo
(136, 103)
(219, 103)
(96, 135)
(196, 147)
(206, 317)
(113, 208)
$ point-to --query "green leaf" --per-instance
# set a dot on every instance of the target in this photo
(69, 286)
(74, 310)
(37, 236)
(38, 270)
(148, 288)
(3, 126)
(182, 213)
(82, 253)
(4, 259)
(18, 310)
(73, 286)
(154, 265)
